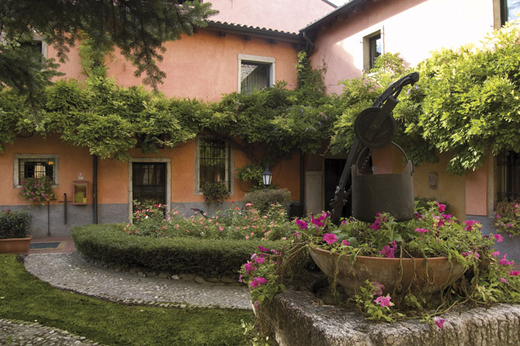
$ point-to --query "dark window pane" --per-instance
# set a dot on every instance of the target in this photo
(36, 168)
(509, 173)
(254, 77)
(375, 49)
(213, 155)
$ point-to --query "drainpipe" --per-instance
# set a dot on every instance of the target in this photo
(94, 188)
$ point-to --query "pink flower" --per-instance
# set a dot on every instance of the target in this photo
(258, 281)
(422, 230)
(497, 216)
(345, 243)
(296, 234)
(376, 225)
(329, 238)
(240, 278)
(378, 288)
(469, 253)
(442, 207)
(447, 216)
(383, 301)
(261, 248)
(302, 224)
(221, 228)
(317, 221)
(504, 281)
(469, 224)
(498, 237)
(389, 251)
(503, 261)
(248, 267)
(439, 321)
(513, 273)
(495, 253)
(256, 305)
(249, 204)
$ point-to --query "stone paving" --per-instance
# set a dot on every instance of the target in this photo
(71, 272)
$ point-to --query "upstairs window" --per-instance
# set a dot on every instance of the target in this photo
(372, 49)
(255, 73)
(36, 166)
(375, 49)
(510, 10)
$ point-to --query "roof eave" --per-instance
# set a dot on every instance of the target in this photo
(345, 9)
(255, 32)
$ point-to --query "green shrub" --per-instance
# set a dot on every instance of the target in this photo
(214, 192)
(263, 199)
(109, 243)
(507, 218)
(14, 224)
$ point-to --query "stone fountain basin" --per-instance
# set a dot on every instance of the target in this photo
(428, 275)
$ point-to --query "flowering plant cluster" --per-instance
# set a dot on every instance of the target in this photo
(489, 276)
(507, 218)
(37, 190)
(233, 223)
(261, 275)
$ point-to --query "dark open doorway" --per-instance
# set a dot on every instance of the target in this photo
(333, 170)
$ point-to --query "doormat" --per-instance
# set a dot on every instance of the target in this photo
(52, 245)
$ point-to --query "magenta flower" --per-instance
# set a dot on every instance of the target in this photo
(240, 278)
(513, 273)
(302, 224)
(447, 216)
(376, 225)
(442, 207)
(345, 243)
(257, 282)
(317, 221)
(495, 253)
(439, 321)
(422, 230)
(248, 267)
(389, 251)
(383, 301)
(498, 216)
(329, 238)
(498, 237)
(469, 224)
(504, 281)
(469, 253)
(263, 249)
(503, 261)
(378, 288)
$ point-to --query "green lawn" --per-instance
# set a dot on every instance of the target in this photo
(23, 297)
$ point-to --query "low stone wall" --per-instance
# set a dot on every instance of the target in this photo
(293, 318)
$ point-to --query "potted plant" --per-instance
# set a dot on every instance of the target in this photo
(14, 231)
(392, 270)
(214, 192)
(37, 190)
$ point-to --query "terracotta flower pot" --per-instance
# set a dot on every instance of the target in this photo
(386, 271)
(15, 245)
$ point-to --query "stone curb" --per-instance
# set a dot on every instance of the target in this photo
(72, 273)
(14, 332)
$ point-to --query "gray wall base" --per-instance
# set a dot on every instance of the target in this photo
(510, 245)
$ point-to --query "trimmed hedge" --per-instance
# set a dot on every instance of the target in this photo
(14, 224)
(108, 243)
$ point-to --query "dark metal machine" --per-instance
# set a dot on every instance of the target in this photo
(374, 128)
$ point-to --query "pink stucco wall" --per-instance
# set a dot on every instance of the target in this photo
(203, 66)
(286, 15)
(412, 28)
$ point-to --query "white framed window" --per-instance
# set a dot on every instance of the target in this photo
(213, 163)
(372, 49)
(255, 73)
(36, 166)
(37, 44)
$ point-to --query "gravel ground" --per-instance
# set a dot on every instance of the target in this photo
(70, 272)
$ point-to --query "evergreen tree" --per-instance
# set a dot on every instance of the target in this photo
(137, 27)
